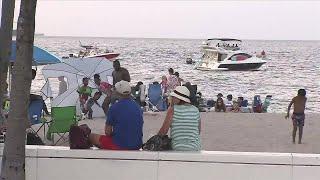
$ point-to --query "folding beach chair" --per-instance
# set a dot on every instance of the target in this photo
(61, 120)
(36, 115)
(155, 100)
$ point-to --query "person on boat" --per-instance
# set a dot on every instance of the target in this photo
(263, 53)
(62, 85)
(84, 92)
(119, 73)
(220, 106)
(34, 96)
(88, 106)
(124, 123)
(183, 120)
(298, 116)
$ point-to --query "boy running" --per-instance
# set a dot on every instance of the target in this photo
(299, 104)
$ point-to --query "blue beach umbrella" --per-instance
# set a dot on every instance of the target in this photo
(40, 56)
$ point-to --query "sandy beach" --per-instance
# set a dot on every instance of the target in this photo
(253, 132)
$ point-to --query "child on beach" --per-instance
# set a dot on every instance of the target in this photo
(164, 85)
(84, 92)
(88, 106)
(299, 104)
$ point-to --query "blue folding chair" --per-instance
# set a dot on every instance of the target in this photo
(155, 100)
(35, 115)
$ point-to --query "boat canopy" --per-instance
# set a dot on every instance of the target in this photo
(224, 39)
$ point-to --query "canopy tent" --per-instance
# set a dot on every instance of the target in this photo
(40, 56)
(75, 70)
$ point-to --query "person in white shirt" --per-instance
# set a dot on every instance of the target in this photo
(229, 103)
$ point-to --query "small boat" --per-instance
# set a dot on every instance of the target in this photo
(226, 54)
(93, 52)
(190, 61)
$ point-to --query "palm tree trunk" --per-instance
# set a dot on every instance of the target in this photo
(5, 45)
(13, 161)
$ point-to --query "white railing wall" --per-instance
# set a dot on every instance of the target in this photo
(60, 163)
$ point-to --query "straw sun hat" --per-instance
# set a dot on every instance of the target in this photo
(182, 93)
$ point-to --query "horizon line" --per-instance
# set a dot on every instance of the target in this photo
(175, 38)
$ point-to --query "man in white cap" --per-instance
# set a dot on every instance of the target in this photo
(124, 123)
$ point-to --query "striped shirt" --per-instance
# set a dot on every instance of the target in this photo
(185, 128)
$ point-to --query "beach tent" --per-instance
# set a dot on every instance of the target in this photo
(74, 70)
(40, 56)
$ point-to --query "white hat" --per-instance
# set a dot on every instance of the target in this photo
(123, 87)
(182, 93)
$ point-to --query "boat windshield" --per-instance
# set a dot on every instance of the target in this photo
(239, 57)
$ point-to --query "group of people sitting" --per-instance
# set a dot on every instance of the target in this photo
(124, 122)
(241, 104)
(124, 119)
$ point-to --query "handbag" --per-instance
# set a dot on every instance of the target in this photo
(79, 137)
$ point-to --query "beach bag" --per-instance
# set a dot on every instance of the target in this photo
(158, 143)
(34, 139)
(79, 137)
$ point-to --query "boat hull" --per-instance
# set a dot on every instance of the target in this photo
(108, 56)
(241, 67)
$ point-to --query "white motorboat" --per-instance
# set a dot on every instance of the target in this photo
(93, 52)
(226, 54)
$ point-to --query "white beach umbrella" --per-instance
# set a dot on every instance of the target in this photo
(75, 70)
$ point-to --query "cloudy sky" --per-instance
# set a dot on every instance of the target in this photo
(292, 20)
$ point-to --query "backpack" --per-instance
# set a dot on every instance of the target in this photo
(79, 137)
(158, 143)
(34, 139)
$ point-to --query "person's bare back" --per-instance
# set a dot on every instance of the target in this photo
(299, 104)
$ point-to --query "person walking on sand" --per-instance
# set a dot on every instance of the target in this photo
(298, 116)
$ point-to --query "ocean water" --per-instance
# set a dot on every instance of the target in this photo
(292, 65)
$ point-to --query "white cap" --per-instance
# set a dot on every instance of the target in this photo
(123, 87)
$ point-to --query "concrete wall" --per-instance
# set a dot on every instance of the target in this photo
(55, 163)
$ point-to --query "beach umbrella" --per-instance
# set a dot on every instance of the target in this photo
(74, 70)
(40, 56)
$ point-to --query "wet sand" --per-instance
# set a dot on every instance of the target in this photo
(267, 132)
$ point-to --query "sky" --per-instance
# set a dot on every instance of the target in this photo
(266, 20)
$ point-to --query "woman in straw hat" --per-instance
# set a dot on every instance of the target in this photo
(183, 119)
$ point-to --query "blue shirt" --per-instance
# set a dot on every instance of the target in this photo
(126, 119)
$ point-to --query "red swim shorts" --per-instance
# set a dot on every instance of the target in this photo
(107, 143)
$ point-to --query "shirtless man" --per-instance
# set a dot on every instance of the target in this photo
(299, 104)
(118, 75)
